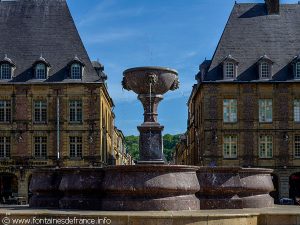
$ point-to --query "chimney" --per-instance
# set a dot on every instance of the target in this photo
(272, 6)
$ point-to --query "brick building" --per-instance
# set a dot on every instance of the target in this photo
(54, 105)
(245, 108)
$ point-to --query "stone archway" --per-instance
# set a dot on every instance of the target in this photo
(8, 188)
(294, 183)
(275, 194)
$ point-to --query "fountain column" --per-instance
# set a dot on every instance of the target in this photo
(153, 82)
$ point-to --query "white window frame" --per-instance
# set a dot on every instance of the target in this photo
(297, 110)
(75, 111)
(41, 71)
(40, 147)
(76, 146)
(297, 70)
(229, 70)
(76, 71)
(230, 146)
(265, 110)
(265, 145)
(5, 108)
(265, 70)
(5, 71)
(297, 146)
(5, 146)
(230, 110)
(40, 111)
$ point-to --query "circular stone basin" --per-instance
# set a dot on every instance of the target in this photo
(150, 187)
(138, 79)
(44, 186)
(81, 188)
(256, 185)
(234, 188)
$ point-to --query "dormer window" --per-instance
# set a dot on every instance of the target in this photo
(296, 67)
(297, 70)
(5, 71)
(229, 71)
(41, 69)
(265, 65)
(265, 71)
(230, 66)
(75, 71)
(6, 68)
(76, 67)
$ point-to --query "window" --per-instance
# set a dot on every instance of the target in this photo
(40, 147)
(229, 110)
(75, 71)
(230, 146)
(5, 71)
(297, 70)
(40, 71)
(75, 147)
(75, 111)
(40, 111)
(5, 111)
(265, 110)
(297, 146)
(4, 147)
(297, 110)
(229, 70)
(264, 70)
(265, 146)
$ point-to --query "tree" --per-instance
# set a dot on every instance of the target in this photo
(170, 141)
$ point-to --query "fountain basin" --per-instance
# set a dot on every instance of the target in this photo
(44, 186)
(234, 188)
(137, 80)
(150, 188)
(81, 188)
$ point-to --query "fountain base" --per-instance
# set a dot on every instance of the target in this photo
(150, 188)
(151, 144)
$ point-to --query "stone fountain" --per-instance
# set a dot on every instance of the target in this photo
(151, 185)
(150, 83)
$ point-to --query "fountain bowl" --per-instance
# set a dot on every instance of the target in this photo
(138, 79)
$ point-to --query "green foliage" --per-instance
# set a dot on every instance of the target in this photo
(170, 141)
(132, 146)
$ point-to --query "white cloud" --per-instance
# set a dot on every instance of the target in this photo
(107, 9)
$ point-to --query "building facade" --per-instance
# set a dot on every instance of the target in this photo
(55, 109)
(245, 108)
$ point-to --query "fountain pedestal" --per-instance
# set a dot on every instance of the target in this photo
(151, 151)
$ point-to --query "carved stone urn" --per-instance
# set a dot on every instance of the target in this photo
(150, 83)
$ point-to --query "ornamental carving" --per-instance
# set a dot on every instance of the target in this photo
(152, 78)
(175, 84)
(125, 84)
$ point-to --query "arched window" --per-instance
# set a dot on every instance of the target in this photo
(76, 71)
(5, 71)
(40, 71)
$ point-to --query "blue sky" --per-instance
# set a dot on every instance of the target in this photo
(174, 33)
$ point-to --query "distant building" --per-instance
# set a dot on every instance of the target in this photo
(245, 108)
(54, 105)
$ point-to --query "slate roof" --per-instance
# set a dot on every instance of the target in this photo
(251, 33)
(30, 29)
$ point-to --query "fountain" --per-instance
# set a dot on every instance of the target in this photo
(151, 185)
